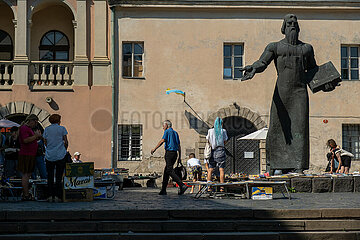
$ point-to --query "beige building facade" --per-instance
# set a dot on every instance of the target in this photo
(55, 58)
(198, 47)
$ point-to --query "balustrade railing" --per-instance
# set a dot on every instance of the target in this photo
(51, 73)
(6, 73)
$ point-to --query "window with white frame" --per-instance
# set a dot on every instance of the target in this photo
(233, 60)
(351, 139)
(132, 63)
(130, 142)
(349, 62)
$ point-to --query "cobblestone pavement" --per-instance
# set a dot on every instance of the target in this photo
(148, 198)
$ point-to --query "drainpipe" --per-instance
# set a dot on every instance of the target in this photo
(115, 92)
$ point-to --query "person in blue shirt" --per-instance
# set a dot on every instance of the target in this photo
(172, 147)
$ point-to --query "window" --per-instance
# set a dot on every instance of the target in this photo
(6, 46)
(351, 139)
(130, 142)
(54, 46)
(350, 62)
(233, 61)
(133, 54)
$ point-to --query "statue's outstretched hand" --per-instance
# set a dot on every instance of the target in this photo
(249, 72)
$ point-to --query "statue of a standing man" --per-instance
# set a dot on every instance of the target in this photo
(287, 142)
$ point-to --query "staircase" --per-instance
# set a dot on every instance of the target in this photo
(181, 224)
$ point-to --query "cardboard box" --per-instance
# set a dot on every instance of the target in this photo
(261, 193)
(79, 169)
(100, 192)
(78, 195)
(78, 182)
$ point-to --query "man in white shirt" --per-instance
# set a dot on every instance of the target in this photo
(196, 169)
(76, 158)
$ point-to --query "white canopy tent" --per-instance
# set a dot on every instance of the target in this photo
(4, 123)
(258, 135)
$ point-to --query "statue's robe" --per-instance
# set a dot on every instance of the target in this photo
(287, 142)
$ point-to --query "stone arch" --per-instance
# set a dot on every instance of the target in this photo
(231, 111)
(237, 111)
(38, 2)
(23, 107)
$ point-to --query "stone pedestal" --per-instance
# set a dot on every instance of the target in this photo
(302, 184)
(356, 183)
(320, 185)
(343, 184)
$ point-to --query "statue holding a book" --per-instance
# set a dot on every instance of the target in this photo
(287, 143)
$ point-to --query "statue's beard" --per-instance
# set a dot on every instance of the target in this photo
(292, 36)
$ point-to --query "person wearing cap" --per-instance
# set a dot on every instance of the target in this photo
(76, 158)
(27, 154)
(55, 139)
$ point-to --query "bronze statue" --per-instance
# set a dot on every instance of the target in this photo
(287, 142)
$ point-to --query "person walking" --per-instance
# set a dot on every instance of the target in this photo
(56, 143)
(172, 148)
(27, 154)
(217, 138)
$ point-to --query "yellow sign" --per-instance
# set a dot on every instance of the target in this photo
(262, 193)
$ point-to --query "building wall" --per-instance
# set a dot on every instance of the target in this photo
(88, 132)
(183, 49)
(86, 104)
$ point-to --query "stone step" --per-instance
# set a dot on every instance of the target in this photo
(190, 236)
(179, 226)
(187, 214)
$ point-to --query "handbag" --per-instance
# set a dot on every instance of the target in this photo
(68, 158)
(219, 154)
(180, 170)
(207, 151)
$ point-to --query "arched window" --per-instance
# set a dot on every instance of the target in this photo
(54, 46)
(6, 46)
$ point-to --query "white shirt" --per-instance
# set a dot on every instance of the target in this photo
(76, 161)
(211, 138)
(54, 135)
(193, 162)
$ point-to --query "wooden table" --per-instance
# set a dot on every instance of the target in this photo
(247, 184)
(206, 185)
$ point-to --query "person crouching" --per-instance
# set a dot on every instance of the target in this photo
(196, 169)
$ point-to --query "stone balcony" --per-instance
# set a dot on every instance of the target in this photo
(51, 75)
(6, 74)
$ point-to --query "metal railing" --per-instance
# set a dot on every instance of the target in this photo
(51, 73)
(6, 73)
